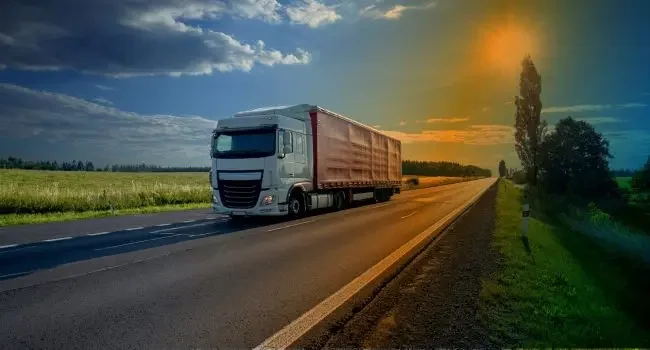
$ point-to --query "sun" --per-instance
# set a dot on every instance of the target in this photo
(504, 45)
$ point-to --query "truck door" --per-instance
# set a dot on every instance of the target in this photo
(287, 158)
(301, 172)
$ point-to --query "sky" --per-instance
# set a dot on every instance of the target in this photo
(125, 81)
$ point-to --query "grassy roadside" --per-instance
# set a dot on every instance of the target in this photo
(560, 289)
(23, 219)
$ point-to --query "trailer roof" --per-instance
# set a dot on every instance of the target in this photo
(299, 111)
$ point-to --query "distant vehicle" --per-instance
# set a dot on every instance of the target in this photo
(289, 160)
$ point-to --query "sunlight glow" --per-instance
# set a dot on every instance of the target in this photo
(504, 45)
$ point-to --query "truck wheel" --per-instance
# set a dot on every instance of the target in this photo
(296, 205)
(339, 201)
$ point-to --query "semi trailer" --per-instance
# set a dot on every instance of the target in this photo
(293, 159)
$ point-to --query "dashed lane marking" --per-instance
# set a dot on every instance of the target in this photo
(58, 239)
(8, 246)
(133, 228)
(182, 227)
(204, 234)
(136, 242)
(98, 233)
(283, 227)
(406, 216)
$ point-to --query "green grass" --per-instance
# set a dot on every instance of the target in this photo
(624, 182)
(29, 195)
(565, 291)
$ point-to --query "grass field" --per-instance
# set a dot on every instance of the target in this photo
(431, 181)
(559, 288)
(624, 182)
(38, 196)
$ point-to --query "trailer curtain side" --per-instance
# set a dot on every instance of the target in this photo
(349, 154)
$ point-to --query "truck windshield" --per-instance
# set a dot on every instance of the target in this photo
(244, 144)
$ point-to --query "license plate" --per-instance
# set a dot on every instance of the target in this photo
(238, 213)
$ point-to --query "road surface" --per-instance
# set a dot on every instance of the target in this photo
(201, 284)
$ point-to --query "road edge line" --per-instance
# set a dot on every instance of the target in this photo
(298, 328)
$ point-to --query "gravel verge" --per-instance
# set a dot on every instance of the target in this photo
(433, 302)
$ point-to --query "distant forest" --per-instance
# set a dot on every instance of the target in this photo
(409, 167)
(79, 165)
(422, 168)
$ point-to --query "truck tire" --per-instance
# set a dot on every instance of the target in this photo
(296, 205)
(339, 201)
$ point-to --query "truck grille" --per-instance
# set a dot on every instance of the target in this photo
(239, 194)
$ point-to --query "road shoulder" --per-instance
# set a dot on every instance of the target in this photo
(434, 301)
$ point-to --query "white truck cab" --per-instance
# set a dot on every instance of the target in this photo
(257, 157)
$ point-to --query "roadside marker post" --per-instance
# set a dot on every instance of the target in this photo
(525, 213)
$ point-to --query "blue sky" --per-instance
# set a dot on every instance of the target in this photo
(117, 82)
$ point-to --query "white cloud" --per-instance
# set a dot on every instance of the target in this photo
(103, 101)
(48, 125)
(395, 12)
(377, 126)
(104, 87)
(267, 10)
(311, 13)
(447, 120)
(474, 135)
(402, 123)
(590, 108)
(485, 109)
(160, 36)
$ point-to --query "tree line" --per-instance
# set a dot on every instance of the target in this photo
(409, 167)
(573, 159)
(79, 165)
(427, 168)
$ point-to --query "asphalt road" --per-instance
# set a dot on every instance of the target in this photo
(201, 284)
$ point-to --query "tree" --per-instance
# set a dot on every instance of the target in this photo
(641, 179)
(529, 130)
(575, 160)
(503, 171)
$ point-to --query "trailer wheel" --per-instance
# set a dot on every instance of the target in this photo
(296, 205)
(339, 201)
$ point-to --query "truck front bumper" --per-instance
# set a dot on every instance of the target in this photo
(272, 209)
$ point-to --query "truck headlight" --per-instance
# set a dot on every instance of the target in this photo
(266, 200)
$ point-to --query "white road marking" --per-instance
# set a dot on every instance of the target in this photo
(204, 234)
(381, 205)
(8, 246)
(57, 239)
(133, 228)
(283, 227)
(162, 225)
(16, 274)
(181, 227)
(299, 327)
(113, 267)
(188, 221)
(98, 233)
(406, 216)
(17, 249)
(126, 244)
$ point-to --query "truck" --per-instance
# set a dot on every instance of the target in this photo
(289, 160)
